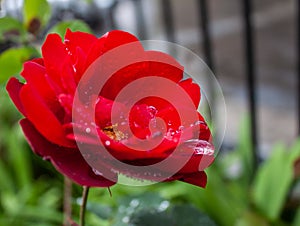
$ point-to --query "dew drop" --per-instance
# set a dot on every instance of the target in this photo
(156, 134)
(86, 155)
(170, 134)
(123, 123)
(152, 110)
(180, 128)
(204, 148)
(74, 68)
(107, 143)
(88, 130)
(97, 172)
(198, 123)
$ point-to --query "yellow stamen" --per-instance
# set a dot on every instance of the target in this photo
(113, 133)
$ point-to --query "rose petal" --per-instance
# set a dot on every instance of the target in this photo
(164, 65)
(67, 161)
(42, 118)
(35, 76)
(198, 179)
(77, 39)
(146, 68)
(13, 88)
(192, 89)
(54, 54)
(39, 61)
(109, 41)
(68, 77)
(79, 44)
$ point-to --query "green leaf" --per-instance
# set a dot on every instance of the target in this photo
(150, 218)
(147, 200)
(73, 25)
(188, 215)
(102, 211)
(11, 29)
(245, 153)
(36, 14)
(217, 191)
(6, 180)
(11, 61)
(296, 221)
(250, 219)
(19, 158)
(129, 206)
(273, 180)
(178, 215)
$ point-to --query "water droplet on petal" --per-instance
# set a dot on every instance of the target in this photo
(180, 128)
(107, 143)
(86, 155)
(88, 130)
(198, 123)
(156, 134)
(152, 110)
(204, 148)
(97, 172)
(170, 134)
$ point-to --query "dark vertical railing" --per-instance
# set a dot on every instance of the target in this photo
(205, 41)
(298, 62)
(140, 19)
(204, 28)
(109, 20)
(250, 72)
(168, 20)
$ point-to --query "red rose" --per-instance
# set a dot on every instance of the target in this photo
(54, 94)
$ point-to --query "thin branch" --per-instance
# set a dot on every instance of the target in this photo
(67, 201)
(85, 194)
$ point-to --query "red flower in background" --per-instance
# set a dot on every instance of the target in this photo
(46, 101)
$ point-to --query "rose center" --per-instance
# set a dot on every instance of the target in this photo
(113, 133)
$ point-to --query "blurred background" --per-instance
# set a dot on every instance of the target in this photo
(251, 46)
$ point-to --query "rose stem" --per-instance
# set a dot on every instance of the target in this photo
(67, 201)
(85, 194)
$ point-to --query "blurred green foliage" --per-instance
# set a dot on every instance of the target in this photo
(73, 25)
(26, 196)
(31, 190)
(36, 14)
